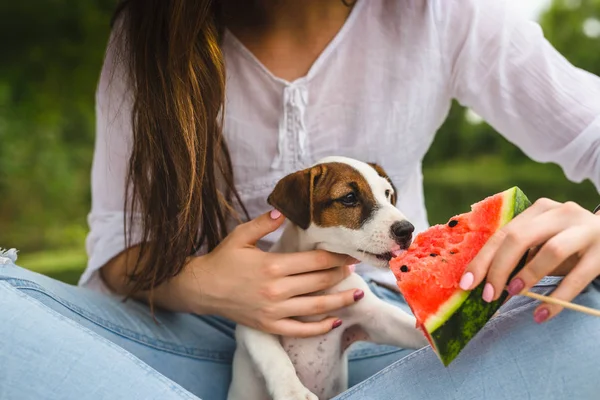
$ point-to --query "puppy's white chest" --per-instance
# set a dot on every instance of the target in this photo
(320, 362)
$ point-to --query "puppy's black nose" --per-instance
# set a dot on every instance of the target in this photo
(402, 230)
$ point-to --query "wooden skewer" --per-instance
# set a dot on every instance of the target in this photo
(565, 304)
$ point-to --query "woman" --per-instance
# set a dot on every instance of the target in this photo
(303, 80)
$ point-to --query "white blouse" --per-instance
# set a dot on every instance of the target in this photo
(378, 93)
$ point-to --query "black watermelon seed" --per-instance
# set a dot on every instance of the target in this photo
(433, 255)
(452, 252)
(452, 223)
(404, 268)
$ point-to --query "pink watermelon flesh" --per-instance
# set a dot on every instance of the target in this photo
(429, 272)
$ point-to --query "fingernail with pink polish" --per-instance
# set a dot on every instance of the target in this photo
(515, 286)
(352, 268)
(541, 315)
(358, 294)
(466, 281)
(488, 292)
(337, 323)
(275, 214)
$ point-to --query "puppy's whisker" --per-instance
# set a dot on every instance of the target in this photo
(367, 244)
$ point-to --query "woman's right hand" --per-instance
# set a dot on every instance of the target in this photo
(266, 290)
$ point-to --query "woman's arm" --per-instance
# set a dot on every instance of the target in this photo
(500, 65)
(168, 296)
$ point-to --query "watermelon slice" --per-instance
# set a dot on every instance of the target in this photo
(429, 272)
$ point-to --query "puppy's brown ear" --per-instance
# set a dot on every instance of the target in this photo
(384, 174)
(292, 196)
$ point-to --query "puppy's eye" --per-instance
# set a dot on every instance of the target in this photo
(388, 193)
(349, 200)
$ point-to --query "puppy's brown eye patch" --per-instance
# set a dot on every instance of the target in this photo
(342, 197)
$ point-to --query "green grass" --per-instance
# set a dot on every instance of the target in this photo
(449, 190)
(64, 264)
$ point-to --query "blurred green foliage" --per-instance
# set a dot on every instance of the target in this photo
(52, 53)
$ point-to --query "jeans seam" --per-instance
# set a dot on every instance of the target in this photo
(183, 351)
(171, 385)
(370, 353)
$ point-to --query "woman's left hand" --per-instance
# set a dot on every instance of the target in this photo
(565, 240)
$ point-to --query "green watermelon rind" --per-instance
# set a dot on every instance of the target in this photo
(449, 307)
(462, 316)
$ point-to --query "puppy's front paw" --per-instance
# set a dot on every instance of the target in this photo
(298, 392)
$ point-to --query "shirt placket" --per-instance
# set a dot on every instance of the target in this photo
(293, 135)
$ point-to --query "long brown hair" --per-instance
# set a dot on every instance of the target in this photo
(180, 172)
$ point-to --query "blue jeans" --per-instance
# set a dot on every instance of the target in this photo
(64, 342)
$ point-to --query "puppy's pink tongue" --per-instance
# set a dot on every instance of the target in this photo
(396, 253)
(396, 250)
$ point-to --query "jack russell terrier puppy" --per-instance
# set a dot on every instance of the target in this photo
(348, 207)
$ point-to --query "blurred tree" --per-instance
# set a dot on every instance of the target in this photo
(573, 27)
(52, 54)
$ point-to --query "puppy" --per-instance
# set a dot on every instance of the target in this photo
(344, 206)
